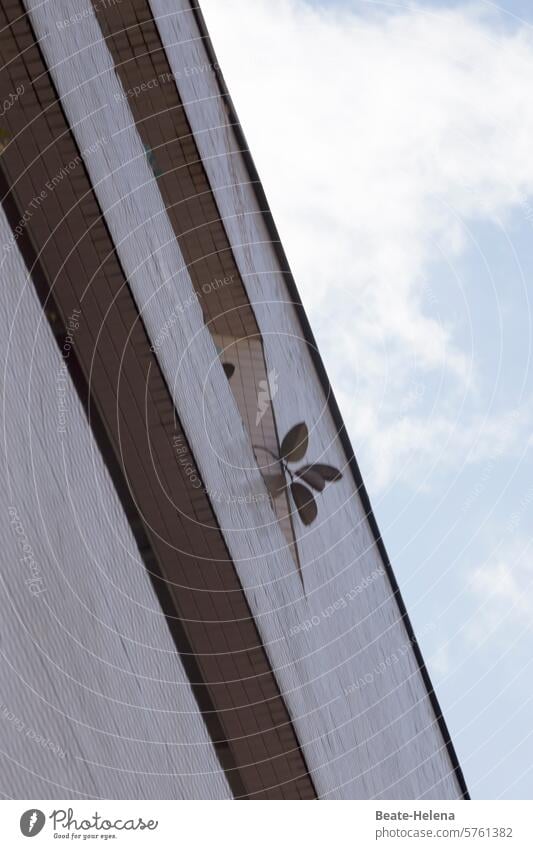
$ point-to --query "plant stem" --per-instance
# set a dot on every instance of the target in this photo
(268, 451)
(286, 468)
(280, 460)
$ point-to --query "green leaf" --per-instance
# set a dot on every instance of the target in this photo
(311, 476)
(305, 502)
(295, 443)
(329, 473)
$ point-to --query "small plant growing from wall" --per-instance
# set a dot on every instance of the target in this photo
(152, 162)
(305, 479)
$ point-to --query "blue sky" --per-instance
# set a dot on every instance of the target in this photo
(510, 9)
(395, 145)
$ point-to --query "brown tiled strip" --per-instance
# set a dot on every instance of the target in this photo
(72, 261)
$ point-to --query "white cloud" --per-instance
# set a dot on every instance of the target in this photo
(503, 588)
(440, 662)
(409, 447)
(379, 137)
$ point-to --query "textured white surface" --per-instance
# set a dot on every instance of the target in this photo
(380, 739)
(87, 665)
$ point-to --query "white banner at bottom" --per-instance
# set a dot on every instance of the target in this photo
(276, 825)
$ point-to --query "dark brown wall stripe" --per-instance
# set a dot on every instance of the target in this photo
(53, 205)
(181, 641)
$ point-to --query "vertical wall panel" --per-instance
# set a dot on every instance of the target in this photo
(242, 706)
(94, 700)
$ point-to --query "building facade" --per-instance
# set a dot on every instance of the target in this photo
(197, 602)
